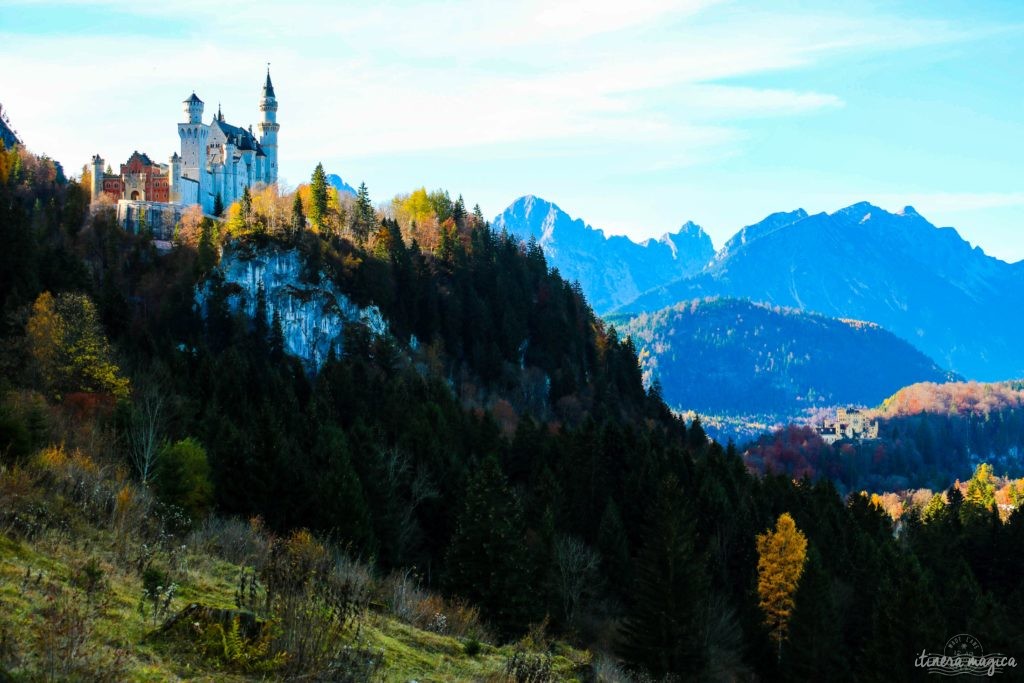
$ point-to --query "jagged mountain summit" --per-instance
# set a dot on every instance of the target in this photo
(611, 270)
(925, 284)
(335, 181)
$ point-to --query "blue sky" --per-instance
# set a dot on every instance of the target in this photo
(634, 116)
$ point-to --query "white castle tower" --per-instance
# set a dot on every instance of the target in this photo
(174, 179)
(268, 128)
(97, 177)
(194, 135)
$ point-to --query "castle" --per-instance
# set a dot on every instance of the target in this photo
(849, 424)
(217, 160)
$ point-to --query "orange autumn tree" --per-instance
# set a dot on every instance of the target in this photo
(781, 556)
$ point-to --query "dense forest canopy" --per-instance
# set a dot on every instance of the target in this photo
(511, 456)
(734, 357)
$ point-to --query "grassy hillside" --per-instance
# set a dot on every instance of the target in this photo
(79, 545)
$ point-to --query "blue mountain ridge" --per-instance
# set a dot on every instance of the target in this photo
(611, 270)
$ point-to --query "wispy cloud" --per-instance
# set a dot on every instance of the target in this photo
(357, 80)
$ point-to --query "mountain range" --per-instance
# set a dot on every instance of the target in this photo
(612, 271)
(722, 356)
(925, 284)
(335, 181)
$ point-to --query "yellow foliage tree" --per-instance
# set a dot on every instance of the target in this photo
(70, 349)
(413, 208)
(190, 228)
(781, 556)
(981, 489)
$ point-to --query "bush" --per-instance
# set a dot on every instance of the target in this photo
(232, 539)
(405, 599)
(183, 477)
(607, 670)
(240, 653)
(158, 592)
(403, 596)
(315, 618)
(63, 643)
(90, 578)
(472, 647)
(525, 668)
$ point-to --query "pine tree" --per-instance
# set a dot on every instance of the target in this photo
(343, 509)
(459, 212)
(662, 628)
(298, 217)
(816, 651)
(318, 197)
(365, 217)
(781, 556)
(207, 252)
(446, 245)
(613, 543)
(696, 436)
(246, 206)
(485, 560)
(183, 477)
(905, 620)
(218, 205)
(277, 343)
(261, 329)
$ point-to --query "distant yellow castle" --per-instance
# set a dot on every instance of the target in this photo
(850, 423)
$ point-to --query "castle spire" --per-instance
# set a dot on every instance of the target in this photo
(268, 87)
(268, 128)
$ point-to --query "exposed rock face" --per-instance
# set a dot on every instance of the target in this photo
(313, 315)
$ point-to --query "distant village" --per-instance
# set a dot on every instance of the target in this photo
(850, 424)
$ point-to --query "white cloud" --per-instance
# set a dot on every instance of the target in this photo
(360, 80)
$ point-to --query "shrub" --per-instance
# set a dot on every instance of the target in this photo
(315, 618)
(158, 592)
(235, 540)
(183, 477)
(239, 653)
(607, 670)
(403, 595)
(63, 646)
(23, 425)
(405, 599)
(472, 647)
(358, 575)
(526, 668)
(90, 577)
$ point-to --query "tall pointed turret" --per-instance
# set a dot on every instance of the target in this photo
(194, 135)
(268, 128)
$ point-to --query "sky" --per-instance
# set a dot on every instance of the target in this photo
(635, 116)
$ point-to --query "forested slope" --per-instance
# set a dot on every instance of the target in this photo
(498, 442)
